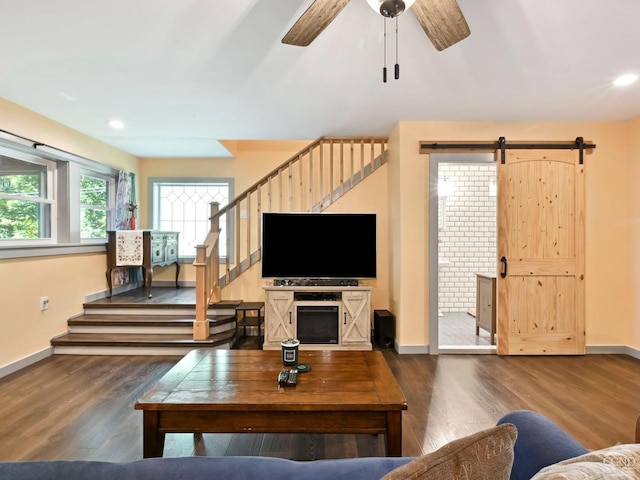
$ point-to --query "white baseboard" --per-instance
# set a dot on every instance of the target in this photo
(25, 362)
(606, 349)
(446, 350)
(92, 297)
(467, 350)
(411, 349)
(613, 350)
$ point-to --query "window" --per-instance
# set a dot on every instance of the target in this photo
(96, 205)
(27, 205)
(52, 201)
(183, 205)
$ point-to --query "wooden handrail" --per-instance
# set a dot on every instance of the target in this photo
(304, 184)
(276, 172)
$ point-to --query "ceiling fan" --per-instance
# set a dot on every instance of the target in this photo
(441, 20)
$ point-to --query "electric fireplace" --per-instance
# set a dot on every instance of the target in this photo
(317, 324)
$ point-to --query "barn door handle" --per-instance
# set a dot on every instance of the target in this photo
(289, 318)
(503, 274)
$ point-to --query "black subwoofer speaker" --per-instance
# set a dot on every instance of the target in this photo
(384, 328)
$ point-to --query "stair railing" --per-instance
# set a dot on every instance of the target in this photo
(311, 180)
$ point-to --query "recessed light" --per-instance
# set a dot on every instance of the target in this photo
(626, 79)
(116, 124)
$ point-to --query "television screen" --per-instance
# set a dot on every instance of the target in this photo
(319, 245)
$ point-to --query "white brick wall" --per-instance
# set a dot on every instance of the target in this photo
(467, 237)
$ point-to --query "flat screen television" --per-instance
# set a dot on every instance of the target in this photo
(319, 245)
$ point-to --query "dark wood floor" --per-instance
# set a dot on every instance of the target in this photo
(185, 296)
(81, 407)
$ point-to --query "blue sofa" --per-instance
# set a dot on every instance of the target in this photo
(539, 443)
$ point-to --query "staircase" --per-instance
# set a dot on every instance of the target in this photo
(135, 325)
(310, 181)
(173, 324)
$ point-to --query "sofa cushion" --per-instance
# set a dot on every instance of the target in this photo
(204, 468)
(620, 462)
(483, 455)
(540, 443)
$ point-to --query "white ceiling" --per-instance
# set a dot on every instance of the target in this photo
(183, 73)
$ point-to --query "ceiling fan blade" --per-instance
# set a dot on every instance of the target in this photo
(313, 21)
(442, 21)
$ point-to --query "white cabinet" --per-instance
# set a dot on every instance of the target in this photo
(356, 310)
(352, 322)
(278, 317)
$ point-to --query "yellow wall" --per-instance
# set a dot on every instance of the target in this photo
(252, 161)
(65, 279)
(634, 238)
(397, 192)
(408, 207)
(26, 123)
(608, 221)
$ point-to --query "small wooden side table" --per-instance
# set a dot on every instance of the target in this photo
(243, 320)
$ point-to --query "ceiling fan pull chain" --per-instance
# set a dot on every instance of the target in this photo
(397, 72)
(384, 67)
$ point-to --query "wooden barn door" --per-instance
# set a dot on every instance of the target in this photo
(541, 250)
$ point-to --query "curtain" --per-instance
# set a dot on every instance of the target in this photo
(126, 207)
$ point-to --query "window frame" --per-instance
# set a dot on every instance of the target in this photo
(110, 209)
(154, 213)
(64, 187)
(50, 199)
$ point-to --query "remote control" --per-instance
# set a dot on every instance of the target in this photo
(293, 378)
(283, 376)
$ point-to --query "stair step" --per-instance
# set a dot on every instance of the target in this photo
(165, 301)
(132, 319)
(137, 344)
(150, 324)
(133, 324)
(168, 308)
(177, 310)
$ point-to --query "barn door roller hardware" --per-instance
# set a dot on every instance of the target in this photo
(503, 146)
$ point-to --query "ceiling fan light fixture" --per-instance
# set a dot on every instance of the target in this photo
(390, 8)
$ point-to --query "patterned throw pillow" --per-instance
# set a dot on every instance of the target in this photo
(620, 462)
(484, 455)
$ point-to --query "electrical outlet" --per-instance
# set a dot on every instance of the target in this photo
(44, 303)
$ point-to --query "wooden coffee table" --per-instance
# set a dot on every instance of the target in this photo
(236, 391)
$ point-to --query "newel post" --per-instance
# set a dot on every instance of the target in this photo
(206, 265)
(201, 325)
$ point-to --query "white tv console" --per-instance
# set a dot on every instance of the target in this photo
(351, 307)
